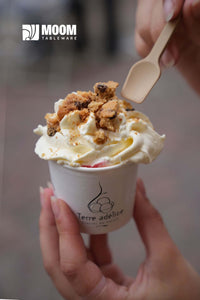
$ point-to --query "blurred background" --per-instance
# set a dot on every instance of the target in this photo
(36, 74)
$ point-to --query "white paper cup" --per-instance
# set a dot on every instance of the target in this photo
(101, 198)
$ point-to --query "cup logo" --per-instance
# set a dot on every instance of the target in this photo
(30, 32)
(101, 203)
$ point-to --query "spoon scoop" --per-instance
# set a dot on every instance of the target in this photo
(145, 73)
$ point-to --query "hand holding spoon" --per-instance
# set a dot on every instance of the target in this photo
(145, 73)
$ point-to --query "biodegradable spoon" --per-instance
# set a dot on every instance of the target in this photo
(145, 73)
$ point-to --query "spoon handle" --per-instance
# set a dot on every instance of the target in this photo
(162, 41)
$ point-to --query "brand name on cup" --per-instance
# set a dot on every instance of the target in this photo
(105, 217)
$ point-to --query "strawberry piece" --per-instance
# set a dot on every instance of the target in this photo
(98, 165)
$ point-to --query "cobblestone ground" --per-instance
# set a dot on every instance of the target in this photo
(172, 181)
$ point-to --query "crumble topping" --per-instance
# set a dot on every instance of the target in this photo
(53, 124)
(103, 102)
(100, 137)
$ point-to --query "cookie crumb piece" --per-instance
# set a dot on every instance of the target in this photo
(100, 137)
(84, 113)
(109, 109)
(87, 96)
(127, 106)
(105, 90)
(73, 101)
(52, 124)
(84, 98)
(107, 123)
(67, 106)
(94, 105)
(51, 131)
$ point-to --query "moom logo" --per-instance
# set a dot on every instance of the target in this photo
(30, 32)
(101, 203)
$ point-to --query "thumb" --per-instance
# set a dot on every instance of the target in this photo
(172, 8)
(150, 224)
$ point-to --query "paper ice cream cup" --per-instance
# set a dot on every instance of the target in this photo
(101, 198)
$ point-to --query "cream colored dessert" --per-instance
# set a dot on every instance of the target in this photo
(88, 128)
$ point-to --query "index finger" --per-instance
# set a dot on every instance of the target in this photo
(83, 274)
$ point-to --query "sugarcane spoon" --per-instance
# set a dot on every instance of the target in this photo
(145, 73)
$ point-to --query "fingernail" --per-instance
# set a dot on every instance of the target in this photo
(55, 206)
(50, 185)
(168, 59)
(168, 9)
(196, 8)
(42, 196)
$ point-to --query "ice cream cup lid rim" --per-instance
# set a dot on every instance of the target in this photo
(92, 170)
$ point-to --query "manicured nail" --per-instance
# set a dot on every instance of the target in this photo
(168, 9)
(55, 206)
(42, 199)
(50, 185)
(168, 59)
(196, 9)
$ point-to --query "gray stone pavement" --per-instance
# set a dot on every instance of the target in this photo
(172, 181)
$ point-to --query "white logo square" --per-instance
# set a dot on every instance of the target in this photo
(30, 32)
